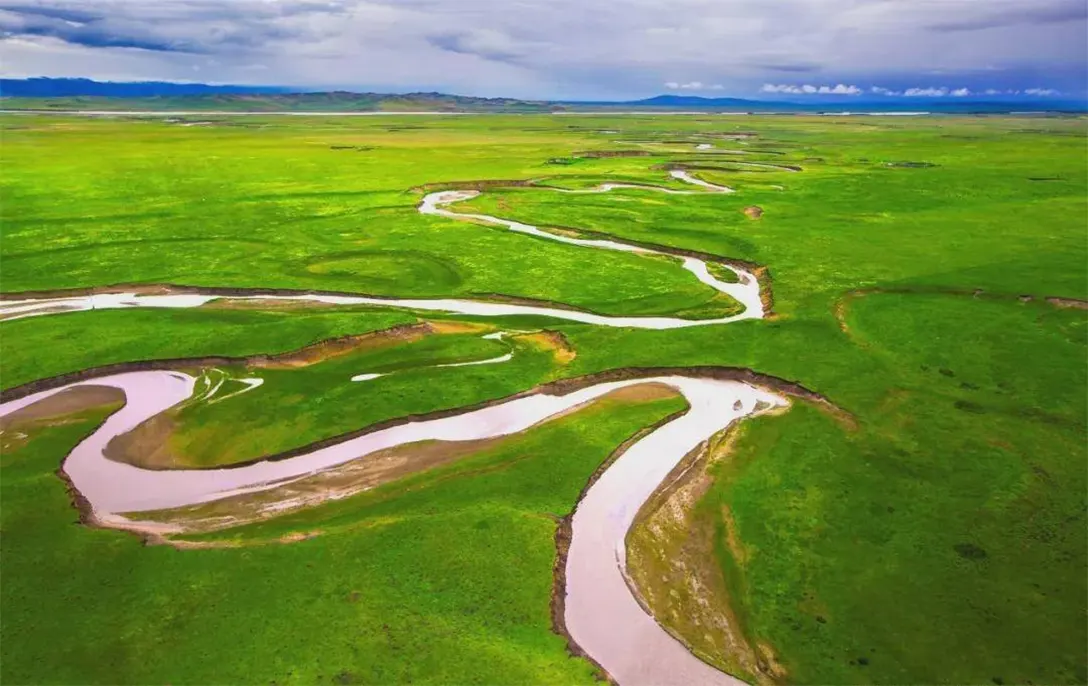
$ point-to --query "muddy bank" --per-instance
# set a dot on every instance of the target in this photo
(675, 574)
(559, 387)
(602, 154)
(61, 405)
(601, 615)
(353, 477)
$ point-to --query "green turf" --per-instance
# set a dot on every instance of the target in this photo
(322, 401)
(940, 541)
(79, 340)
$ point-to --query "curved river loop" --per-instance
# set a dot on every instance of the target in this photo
(601, 614)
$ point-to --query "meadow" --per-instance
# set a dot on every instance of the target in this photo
(925, 275)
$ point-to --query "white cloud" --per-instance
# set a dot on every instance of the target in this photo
(809, 89)
(1042, 91)
(689, 86)
(960, 93)
(926, 92)
(693, 86)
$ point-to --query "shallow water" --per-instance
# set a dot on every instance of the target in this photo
(601, 614)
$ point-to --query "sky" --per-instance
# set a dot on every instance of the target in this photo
(566, 49)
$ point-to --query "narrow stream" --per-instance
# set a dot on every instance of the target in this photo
(745, 291)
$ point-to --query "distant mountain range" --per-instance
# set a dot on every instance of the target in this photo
(62, 88)
(87, 94)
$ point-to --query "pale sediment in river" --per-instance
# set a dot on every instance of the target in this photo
(602, 615)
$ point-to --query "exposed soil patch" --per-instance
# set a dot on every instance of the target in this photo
(740, 166)
(562, 351)
(597, 154)
(911, 165)
(337, 347)
(673, 568)
(148, 445)
(367, 472)
(753, 211)
(58, 406)
(448, 326)
(478, 185)
(766, 293)
(1069, 303)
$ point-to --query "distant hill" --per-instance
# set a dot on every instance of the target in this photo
(686, 101)
(843, 104)
(60, 88)
(86, 94)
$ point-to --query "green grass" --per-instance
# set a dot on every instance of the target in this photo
(971, 410)
(79, 340)
(467, 602)
(314, 217)
(321, 400)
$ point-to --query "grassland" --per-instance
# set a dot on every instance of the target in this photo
(939, 541)
(352, 605)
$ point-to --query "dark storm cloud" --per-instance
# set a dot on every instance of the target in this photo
(62, 13)
(80, 28)
(199, 26)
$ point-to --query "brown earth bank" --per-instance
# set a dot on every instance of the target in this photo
(61, 405)
(562, 350)
(599, 154)
(378, 468)
(1068, 303)
(474, 185)
(558, 387)
(673, 570)
(148, 445)
(703, 166)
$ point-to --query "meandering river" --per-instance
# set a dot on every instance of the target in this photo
(602, 616)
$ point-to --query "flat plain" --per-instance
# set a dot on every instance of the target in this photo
(926, 276)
